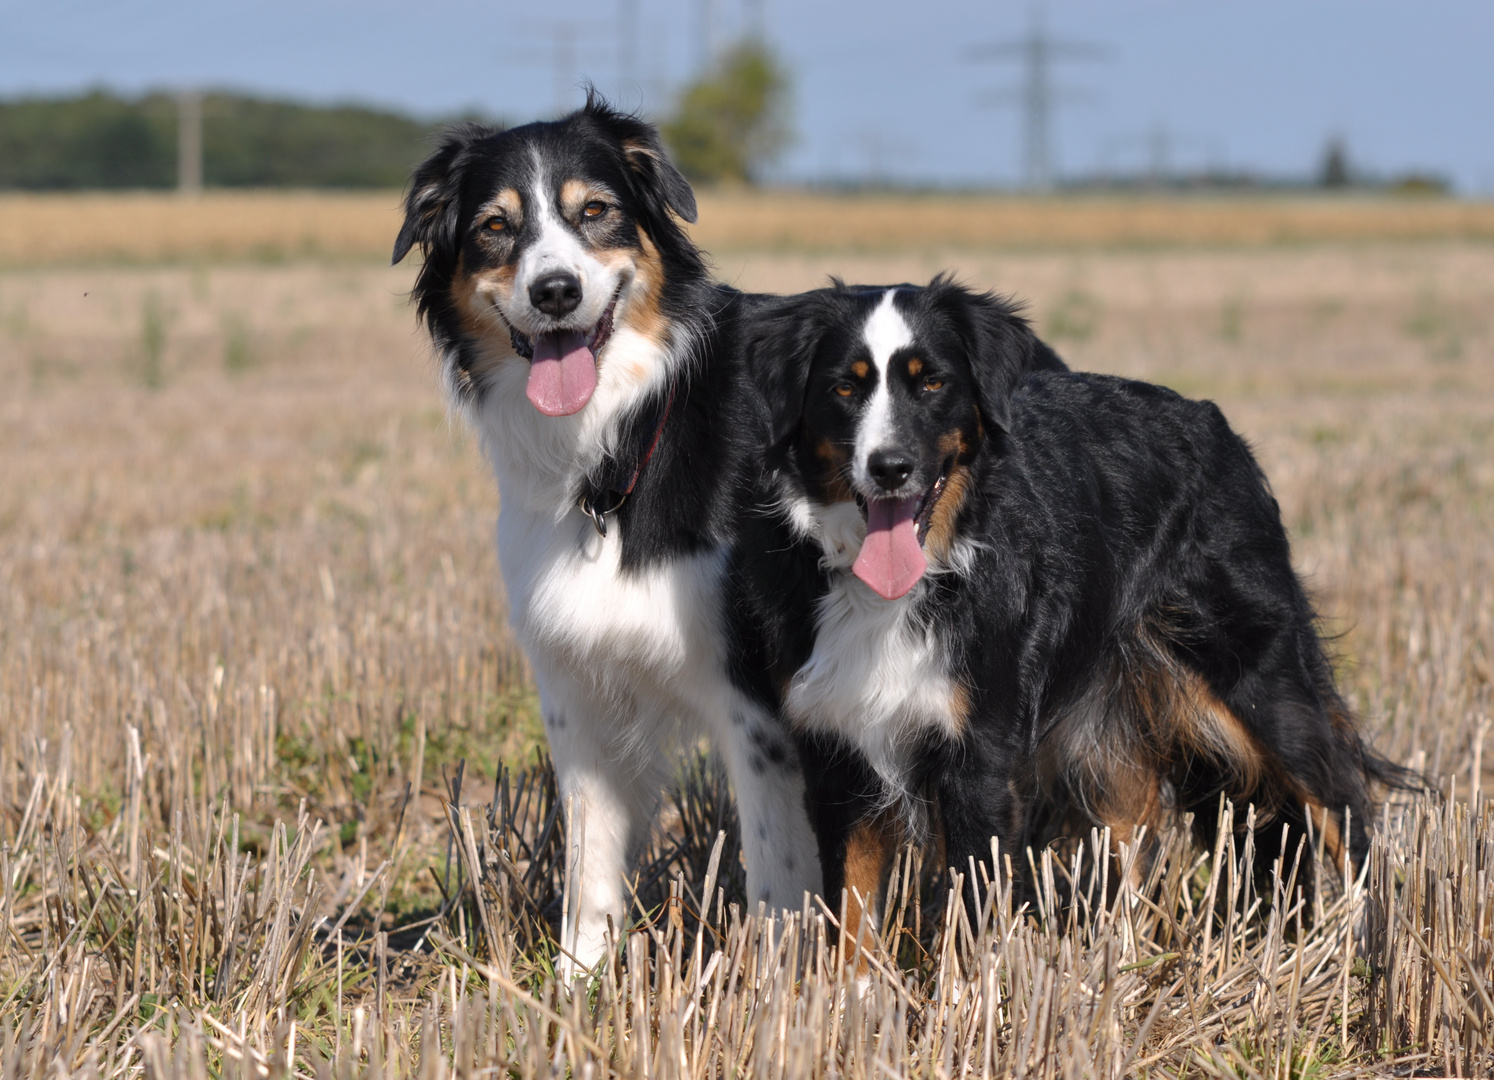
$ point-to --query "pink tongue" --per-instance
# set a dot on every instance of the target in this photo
(563, 373)
(891, 561)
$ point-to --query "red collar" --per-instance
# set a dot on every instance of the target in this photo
(598, 505)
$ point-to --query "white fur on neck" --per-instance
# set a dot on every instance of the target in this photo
(877, 678)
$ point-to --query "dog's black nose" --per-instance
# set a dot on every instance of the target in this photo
(556, 294)
(889, 468)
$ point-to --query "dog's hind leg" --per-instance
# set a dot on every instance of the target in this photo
(1307, 770)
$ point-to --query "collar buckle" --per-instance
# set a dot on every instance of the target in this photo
(594, 510)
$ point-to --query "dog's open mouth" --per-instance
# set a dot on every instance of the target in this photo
(563, 364)
(892, 559)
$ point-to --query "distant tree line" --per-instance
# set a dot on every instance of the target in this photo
(727, 126)
(103, 140)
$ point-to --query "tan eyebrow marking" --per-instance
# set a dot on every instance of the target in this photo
(860, 368)
(915, 365)
(508, 203)
(575, 194)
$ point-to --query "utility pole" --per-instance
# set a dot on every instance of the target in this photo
(567, 42)
(189, 142)
(1037, 96)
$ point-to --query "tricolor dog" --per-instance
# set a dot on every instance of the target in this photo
(1024, 603)
(582, 337)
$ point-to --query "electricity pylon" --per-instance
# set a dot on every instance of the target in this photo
(1037, 95)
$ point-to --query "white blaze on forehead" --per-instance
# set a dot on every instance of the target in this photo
(885, 332)
(556, 247)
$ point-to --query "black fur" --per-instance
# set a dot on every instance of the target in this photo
(1130, 554)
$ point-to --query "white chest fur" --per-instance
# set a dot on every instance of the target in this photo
(876, 678)
(653, 635)
(569, 599)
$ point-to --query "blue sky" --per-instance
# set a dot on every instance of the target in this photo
(879, 86)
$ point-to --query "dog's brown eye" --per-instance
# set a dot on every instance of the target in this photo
(932, 384)
(844, 389)
(496, 224)
(594, 209)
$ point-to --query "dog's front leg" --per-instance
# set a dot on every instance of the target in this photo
(610, 790)
(980, 799)
(777, 842)
(857, 824)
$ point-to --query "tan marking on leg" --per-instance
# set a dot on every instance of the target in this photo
(1180, 713)
(1132, 799)
(869, 851)
(1104, 758)
(1207, 726)
(1325, 822)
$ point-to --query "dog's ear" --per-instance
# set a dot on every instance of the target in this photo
(1001, 346)
(432, 205)
(779, 348)
(656, 182)
(650, 162)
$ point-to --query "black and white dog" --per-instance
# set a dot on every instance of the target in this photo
(582, 337)
(1035, 602)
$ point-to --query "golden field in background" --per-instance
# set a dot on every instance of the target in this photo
(271, 226)
(247, 576)
(146, 227)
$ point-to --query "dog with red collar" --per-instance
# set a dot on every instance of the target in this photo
(583, 339)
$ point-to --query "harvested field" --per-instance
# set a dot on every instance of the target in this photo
(269, 227)
(250, 631)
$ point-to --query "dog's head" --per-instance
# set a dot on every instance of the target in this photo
(880, 398)
(544, 242)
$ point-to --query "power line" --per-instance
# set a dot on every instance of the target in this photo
(1036, 95)
(566, 69)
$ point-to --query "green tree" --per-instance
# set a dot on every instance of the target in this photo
(733, 122)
